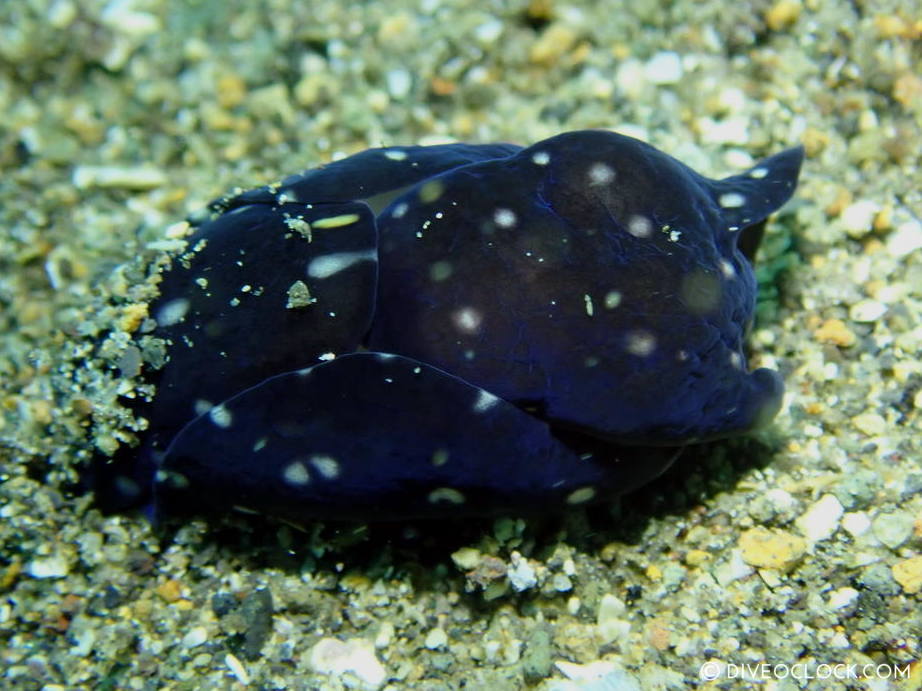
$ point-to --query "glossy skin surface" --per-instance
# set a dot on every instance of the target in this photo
(486, 306)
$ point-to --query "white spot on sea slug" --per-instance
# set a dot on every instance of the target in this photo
(327, 466)
(431, 190)
(238, 210)
(541, 158)
(439, 271)
(446, 495)
(323, 357)
(485, 401)
(439, 457)
(330, 264)
(731, 200)
(400, 210)
(173, 312)
(681, 355)
(504, 218)
(758, 173)
(467, 319)
(295, 473)
(601, 174)
(588, 300)
(260, 444)
(221, 416)
(640, 342)
(639, 226)
(384, 357)
(736, 360)
(612, 299)
(201, 406)
(395, 155)
(726, 268)
(581, 495)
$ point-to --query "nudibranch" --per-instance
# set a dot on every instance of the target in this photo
(439, 331)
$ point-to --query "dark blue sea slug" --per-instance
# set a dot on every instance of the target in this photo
(459, 329)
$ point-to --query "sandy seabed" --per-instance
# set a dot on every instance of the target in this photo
(798, 547)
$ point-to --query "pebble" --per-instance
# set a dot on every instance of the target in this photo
(357, 657)
(256, 610)
(771, 549)
(775, 504)
(782, 14)
(913, 484)
(122, 177)
(908, 573)
(630, 78)
(562, 583)
(664, 68)
(697, 557)
(733, 130)
(536, 660)
(85, 642)
(466, 558)
(821, 520)
(126, 17)
(609, 620)
(436, 638)
(858, 217)
(61, 14)
(195, 637)
(170, 591)
(866, 311)
(599, 675)
(871, 424)
(733, 569)
(53, 566)
(893, 529)
(880, 579)
(385, 635)
(843, 598)
(489, 31)
(905, 239)
(272, 101)
(237, 669)
(836, 332)
(856, 524)
(858, 489)
(552, 45)
(573, 605)
(521, 574)
(399, 82)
